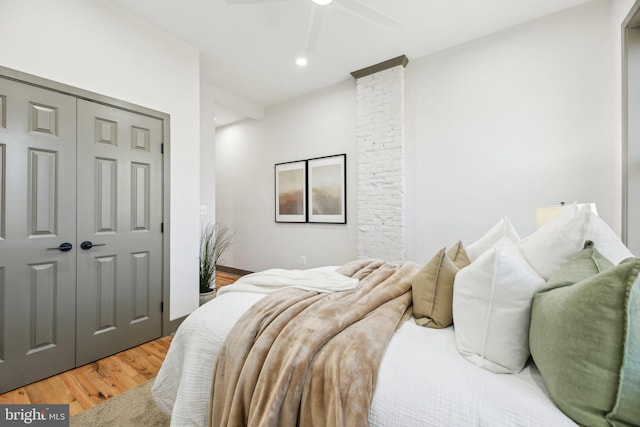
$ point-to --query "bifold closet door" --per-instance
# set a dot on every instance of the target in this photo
(119, 230)
(37, 233)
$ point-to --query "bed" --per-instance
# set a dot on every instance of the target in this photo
(427, 376)
(408, 393)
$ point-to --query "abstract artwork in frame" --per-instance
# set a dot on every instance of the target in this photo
(327, 189)
(291, 191)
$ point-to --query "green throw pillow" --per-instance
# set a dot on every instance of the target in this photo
(586, 263)
(585, 339)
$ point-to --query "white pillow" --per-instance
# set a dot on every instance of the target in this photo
(502, 228)
(551, 246)
(492, 306)
(606, 240)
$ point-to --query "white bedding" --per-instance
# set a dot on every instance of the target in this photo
(320, 280)
(423, 380)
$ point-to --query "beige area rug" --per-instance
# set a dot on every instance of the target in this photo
(134, 408)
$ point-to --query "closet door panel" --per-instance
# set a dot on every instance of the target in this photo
(120, 186)
(37, 217)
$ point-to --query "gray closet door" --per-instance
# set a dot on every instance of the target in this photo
(120, 214)
(37, 213)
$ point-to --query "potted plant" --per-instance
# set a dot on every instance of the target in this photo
(215, 239)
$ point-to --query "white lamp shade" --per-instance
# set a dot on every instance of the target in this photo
(545, 213)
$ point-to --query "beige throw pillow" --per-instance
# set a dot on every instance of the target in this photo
(458, 255)
(432, 289)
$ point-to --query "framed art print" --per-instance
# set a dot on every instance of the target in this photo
(327, 189)
(291, 191)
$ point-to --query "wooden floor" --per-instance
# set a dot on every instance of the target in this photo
(223, 279)
(92, 384)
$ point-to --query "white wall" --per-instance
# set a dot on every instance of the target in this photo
(519, 119)
(522, 118)
(207, 154)
(317, 125)
(94, 46)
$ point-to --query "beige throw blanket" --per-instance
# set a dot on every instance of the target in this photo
(303, 358)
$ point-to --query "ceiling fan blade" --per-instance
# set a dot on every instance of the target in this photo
(369, 13)
(317, 17)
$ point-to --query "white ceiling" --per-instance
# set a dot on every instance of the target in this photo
(248, 47)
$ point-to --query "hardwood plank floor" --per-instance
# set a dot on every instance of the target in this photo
(89, 385)
(223, 279)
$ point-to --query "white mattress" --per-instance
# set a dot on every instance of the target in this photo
(423, 380)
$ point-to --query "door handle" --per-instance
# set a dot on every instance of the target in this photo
(64, 247)
(86, 245)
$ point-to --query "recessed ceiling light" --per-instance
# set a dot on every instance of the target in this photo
(301, 61)
(322, 2)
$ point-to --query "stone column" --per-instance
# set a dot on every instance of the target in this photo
(380, 91)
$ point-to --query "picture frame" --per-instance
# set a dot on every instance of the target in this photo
(291, 191)
(327, 189)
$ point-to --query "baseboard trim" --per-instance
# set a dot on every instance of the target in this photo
(175, 323)
(232, 270)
